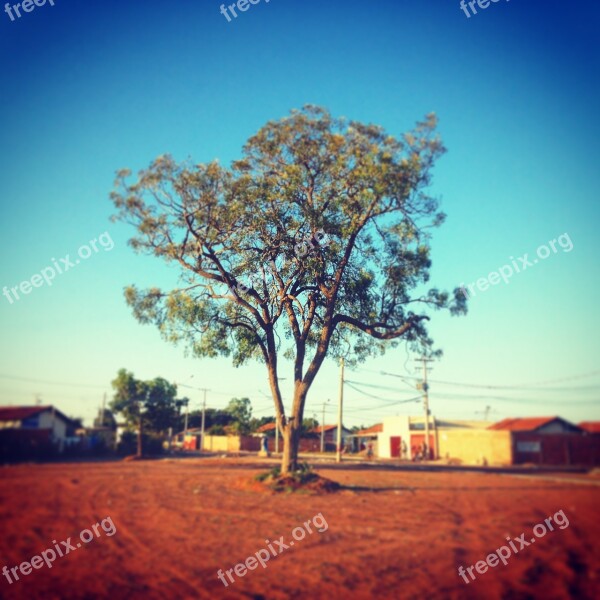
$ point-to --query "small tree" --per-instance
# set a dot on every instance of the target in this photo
(145, 405)
(314, 244)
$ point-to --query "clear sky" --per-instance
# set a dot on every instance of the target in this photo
(89, 87)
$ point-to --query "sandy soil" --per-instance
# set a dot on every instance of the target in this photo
(397, 534)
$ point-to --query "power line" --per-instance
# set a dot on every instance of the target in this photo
(379, 387)
(460, 397)
(527, 386)
(449, 395)
(392, 403)
(87, 385)
(379, 407)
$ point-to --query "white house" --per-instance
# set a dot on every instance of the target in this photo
(403, 437)
(39, 419)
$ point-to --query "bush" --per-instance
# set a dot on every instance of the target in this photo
(303, 474)
(274, 473)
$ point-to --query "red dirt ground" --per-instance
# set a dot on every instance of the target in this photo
(400, 534)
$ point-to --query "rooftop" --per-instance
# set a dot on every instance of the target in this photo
(525, 423)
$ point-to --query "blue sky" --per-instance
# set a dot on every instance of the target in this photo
(88, 88)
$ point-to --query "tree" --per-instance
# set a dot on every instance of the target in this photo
(161, 405)
(255, 423)
(130, 393)
(212, 417)
(314, 244)
(241, 411)
(308, 424)
(145, 405)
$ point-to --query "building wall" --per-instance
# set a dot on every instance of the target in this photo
(392, 427)
(475, 446)
(221, 443)
(556, 449)
(416, 444)
(19, 444)
(56, 424)
(557, 427)
(231, 443)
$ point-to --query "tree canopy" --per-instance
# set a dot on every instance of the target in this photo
(146, 405)
(241, 411)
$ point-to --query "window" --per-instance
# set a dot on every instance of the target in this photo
(528, 446)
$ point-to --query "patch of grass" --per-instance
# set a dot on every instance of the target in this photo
(302, 480)
(303, 474)
(273, 473)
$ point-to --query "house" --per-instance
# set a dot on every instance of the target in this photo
(472, 442)
(549, 441)
(403, 437)
(192, 439)
(311, 441)
(97, 438)
(463, 442)
(367, 437)
(532, 440)
(537, 424)
(33, 430)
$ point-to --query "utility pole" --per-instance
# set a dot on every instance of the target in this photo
(203, 418)
(338, 456)
(323, 429)
(185, 425)
(485, 413)
(425, 387)
(276, 436)
(102, 414)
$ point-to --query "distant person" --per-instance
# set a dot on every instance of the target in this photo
(370, 451)
(404, 451)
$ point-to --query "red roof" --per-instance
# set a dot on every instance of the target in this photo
(378, 428)
(323, 428)
(18, 413)
(266, 427)
(590, 426)
(522, 423)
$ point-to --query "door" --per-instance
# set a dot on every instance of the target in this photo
(395, 442)
(416, 442)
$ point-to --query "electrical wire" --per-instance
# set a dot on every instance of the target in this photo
(527, 386)
(87, 385)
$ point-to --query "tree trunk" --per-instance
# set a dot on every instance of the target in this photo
(291, 441)
(139, 440)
